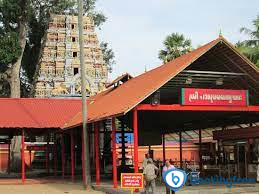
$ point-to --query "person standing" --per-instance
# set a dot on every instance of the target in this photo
(168, 166)
(150, 174)
(144, 164)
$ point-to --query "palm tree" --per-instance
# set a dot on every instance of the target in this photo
(250, 47)
(175, 46)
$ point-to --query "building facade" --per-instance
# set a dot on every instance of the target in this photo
(59, 73)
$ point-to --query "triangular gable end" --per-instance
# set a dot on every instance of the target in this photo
(221, 66)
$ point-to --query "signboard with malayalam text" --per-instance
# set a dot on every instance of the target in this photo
(132, 181)
(217, 97)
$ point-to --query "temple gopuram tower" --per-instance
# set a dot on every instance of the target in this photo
(59, 73)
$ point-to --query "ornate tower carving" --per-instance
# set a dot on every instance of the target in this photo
(60, 67)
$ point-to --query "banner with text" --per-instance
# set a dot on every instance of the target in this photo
(217, 97)
(132, 180)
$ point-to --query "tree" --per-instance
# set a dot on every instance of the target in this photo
(250, 47)
(175, 46)
(13, 31)
(90, 10)
(23, 26)
(19, 20)
(108, 55)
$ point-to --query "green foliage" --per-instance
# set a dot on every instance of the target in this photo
(250, 47)
(108, 55)
(4, 89)
(90, 10)
(11, 11)
(9, 49)
(175, 46)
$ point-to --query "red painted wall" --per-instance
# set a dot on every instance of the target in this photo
(4, 157)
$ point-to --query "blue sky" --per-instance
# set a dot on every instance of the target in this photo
(135, 29)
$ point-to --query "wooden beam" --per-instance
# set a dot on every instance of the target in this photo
(213, 72)
(241, 133)
(238, 66)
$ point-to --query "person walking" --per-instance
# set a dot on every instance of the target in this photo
(144, 164)
(166, 167)
(150, 174)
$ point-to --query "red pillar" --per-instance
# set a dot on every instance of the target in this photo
(200, 154)
(23, 156)
(63, 155)
(55, 155)
(72, 149)
(83, 156)
(30, 157)
(163, 141)
(47, 153)
(114, 158)
(9, 156)
(97, 152)
(135, 136)
(181, 149)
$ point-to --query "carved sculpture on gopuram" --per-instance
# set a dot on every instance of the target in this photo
(59, 73)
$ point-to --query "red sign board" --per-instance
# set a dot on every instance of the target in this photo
(217, 97)
(132, 180)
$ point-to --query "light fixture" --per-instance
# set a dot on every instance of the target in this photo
(155, 99)
(188, 80)
(219, 82)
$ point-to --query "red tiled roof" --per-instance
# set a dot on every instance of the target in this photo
(66, 113)
(121, 100)
(37, 112)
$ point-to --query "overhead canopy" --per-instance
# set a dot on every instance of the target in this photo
(218, 56)
(38, 113)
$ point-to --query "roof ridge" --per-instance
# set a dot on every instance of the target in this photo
(182, 56)
(216, 41)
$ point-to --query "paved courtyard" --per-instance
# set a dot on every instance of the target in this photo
(51, 188)
(41, 187)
